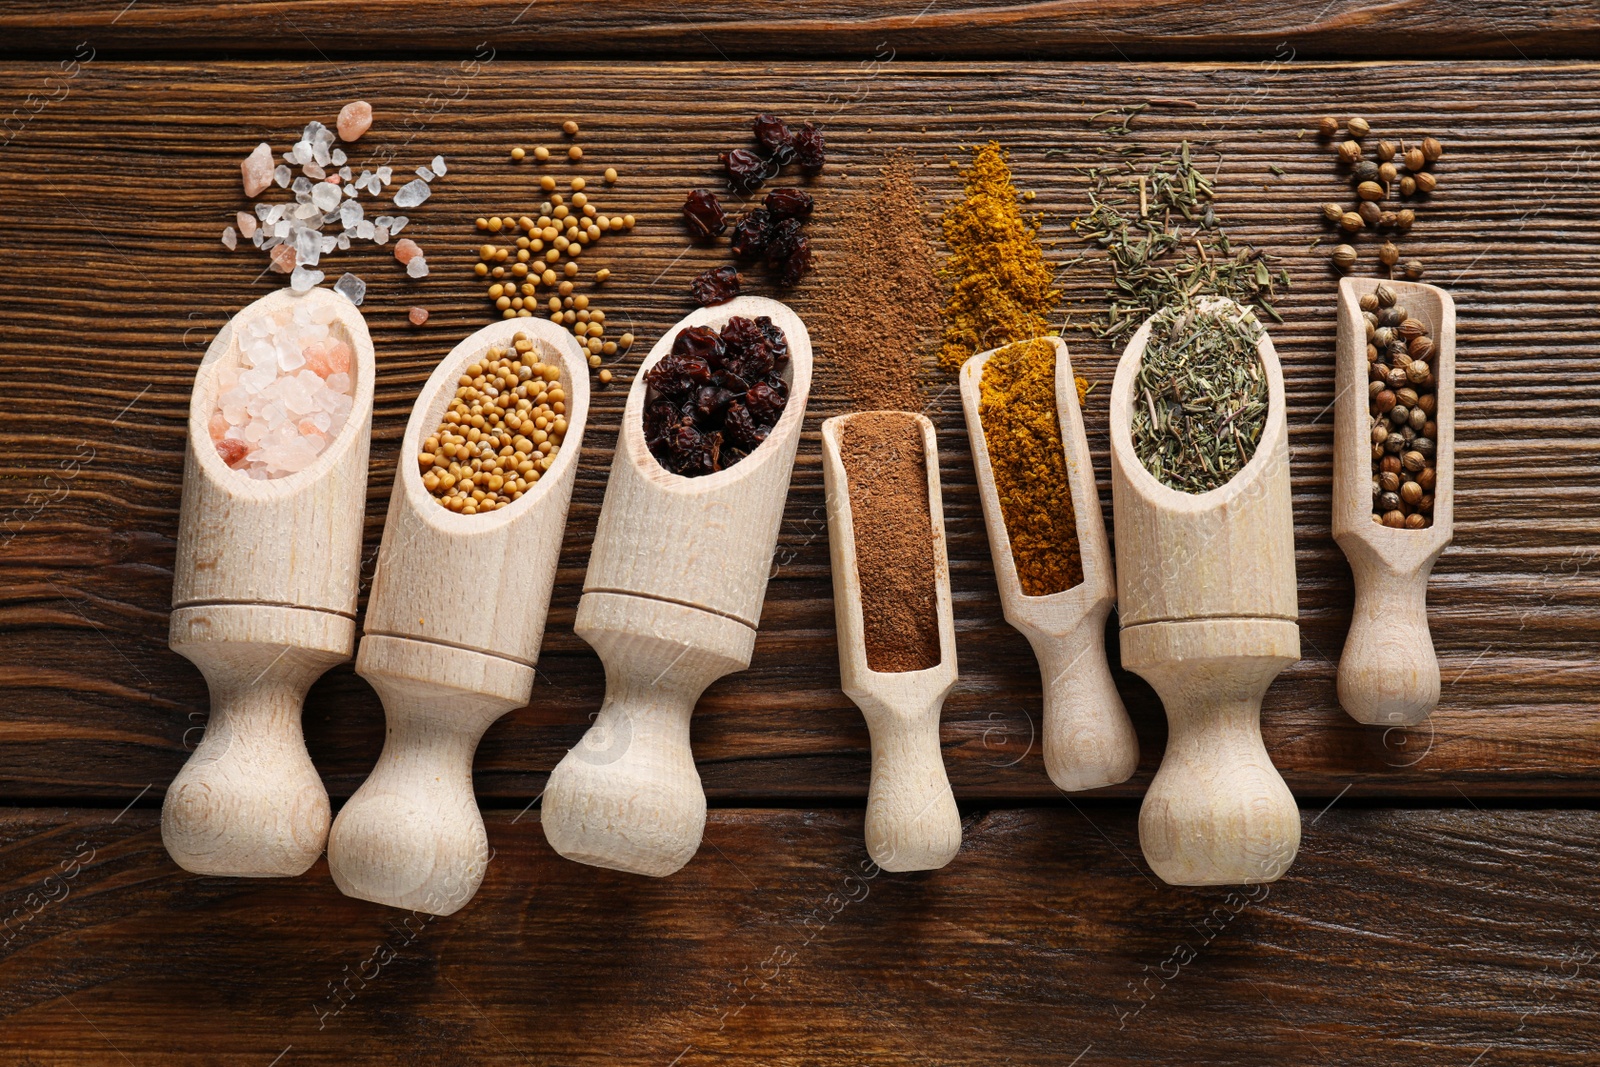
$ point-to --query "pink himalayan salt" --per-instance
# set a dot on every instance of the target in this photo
(283, 258)
(334, 179)
(218, 426)
(405, 250)
(418, 316)
(247, 224)
(257, 169)
(232, 451)
(354, 120)
(327, 358)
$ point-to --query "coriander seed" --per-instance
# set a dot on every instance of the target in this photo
(1413, 269)
(1350, 221)
(1344, 257)
(1408, 185)
(1431, 149)
(1365, 171)
(1370, 191)
(1358, 128)
(1426, 182)
(1388, 173)
(1414, 159)
(1369, 212)
(1404, 218)
(1350, 152)
(1385, 151)
(1332, 212)
(1328, 126)
(1388, 255)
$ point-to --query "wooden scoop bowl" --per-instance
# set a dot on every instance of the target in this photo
(1089, 741)
(453, 629)
(912, 822)
(1388, 673)
(264, 600)
(671, 603)
(1208, 607)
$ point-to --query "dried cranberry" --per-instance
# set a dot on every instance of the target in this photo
(809, 150)
(715, 286)
(701, 342)
(799, 262)
(751, 235)
(690, 452)
(659, 417)
(789, 203)
(772, 133)
(765, 402)
(704, 214)
(710, 402)
(746, 170)
(676, 374)
(777, 343)
(786, 235)
(741, 428)
(741, 338)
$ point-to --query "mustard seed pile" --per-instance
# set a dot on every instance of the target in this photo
(532, 257)
(501, 432)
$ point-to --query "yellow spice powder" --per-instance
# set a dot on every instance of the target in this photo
(999, 279)
(1018, 410)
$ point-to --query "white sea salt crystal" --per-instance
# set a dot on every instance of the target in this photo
(364, 229)
(290, 357)
(344, 242)
(282, 229)
(322, 420)
(269, 243)
(380, 234)
(314, 172)
(274, 213)
(412, 193)
(258, 238)
(329, 241)
(353, 288)
(366, 176)
(417, 267)
(344, 174)
(301, 152)
(263, 209)
(350, 191)
(320, 154)
(339, 383)
(230, 240)
(425, 174)
(301, 185)
(338, 157)
(398, 224)
(307, 247)
(325, 196)
(350, 213)
(303, 279)
(439, 167)
(385, 175)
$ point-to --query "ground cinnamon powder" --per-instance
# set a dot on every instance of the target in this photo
(887, 477)
(881, 296)
(1023, 435)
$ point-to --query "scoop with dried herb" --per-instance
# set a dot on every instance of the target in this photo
(1200, 399)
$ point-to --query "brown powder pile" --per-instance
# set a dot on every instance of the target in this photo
(881, 296)
(887, 476)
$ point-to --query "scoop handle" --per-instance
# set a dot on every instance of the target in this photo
(628, 796)
(249, 803)
(1089, 741)
(912, 821)
(1388, 672)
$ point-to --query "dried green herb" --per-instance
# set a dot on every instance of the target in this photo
(1200, 400)
(1164, 245)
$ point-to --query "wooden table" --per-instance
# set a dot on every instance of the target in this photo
(1442, 909)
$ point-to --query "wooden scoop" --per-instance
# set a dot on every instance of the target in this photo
(1207, 602)
(1388, 673)
(264, 600)
(1089, 741)
(453, 629)
(912, 821)
(671, 603)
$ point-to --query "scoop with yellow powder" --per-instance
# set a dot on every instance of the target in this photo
(1051, 556)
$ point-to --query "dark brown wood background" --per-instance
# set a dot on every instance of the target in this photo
(1443, 905)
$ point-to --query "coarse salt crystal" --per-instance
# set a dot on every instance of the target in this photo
(405, 250)
(281, 175)
(230, 240)
(256, 170)
(304, 278)
(350, 213)
(314, 172)
(425, 174)
(417, 268)
(364, 230)
(247, 224)
(355, 118)
(417, 315)
(398, 224)
(325, 196)
(380, 235)
(412, 193)
(385, 175)
(352, 288)
(338, 157)
(439, 167)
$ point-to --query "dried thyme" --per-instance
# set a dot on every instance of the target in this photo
(1164, 244)
(1200, 400)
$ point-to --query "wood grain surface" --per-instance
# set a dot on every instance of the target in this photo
(742, 30)
(781, 944)
(114, 193)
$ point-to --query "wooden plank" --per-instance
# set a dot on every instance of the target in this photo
(744, 30)
(112, 198)
(780, 943)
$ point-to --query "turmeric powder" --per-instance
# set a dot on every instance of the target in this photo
(1017, 407)
(999, 279)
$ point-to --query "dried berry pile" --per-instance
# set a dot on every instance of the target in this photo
(715, 397)
(1403, 398)
(772, 232)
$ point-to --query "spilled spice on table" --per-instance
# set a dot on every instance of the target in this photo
(1000, 281)
(886, 472)
(882, 295)
(1023, 435)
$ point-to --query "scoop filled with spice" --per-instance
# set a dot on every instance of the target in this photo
(457, 610)
(1206, 583)
(1393, 488)
(677, 574)
(267, 571)
(1051, 556)
(897, 636)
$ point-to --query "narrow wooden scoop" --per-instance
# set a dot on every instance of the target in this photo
(1208, 607)
(1388, 673)
(1089, 741)
(912, 821)
(453, 629)
(671, 603)
(264, 600)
